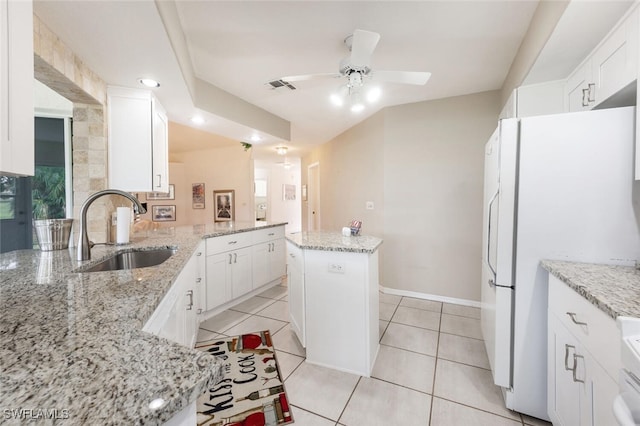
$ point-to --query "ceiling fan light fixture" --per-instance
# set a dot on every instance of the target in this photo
(255, 137)
(336, 99)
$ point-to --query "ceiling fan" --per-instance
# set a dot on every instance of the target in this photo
(361, 79)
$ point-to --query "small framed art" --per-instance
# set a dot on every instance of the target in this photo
(163, 213)
(197, 195)
(224, 205)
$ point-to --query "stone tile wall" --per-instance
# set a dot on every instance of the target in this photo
(57, 66)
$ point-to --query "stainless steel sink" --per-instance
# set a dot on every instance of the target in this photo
(132, 260)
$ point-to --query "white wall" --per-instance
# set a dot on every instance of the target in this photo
(422, 164)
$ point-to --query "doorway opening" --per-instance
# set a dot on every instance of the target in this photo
(47, 194)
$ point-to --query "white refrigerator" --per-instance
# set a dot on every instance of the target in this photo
(556, 187)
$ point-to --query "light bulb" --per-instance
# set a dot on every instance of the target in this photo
(255, 137)
(357, 107)
(149, 82)
(197, 119)
(373, 94)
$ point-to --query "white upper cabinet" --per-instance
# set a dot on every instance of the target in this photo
(16, 87)
(138, 141)
(611, 67)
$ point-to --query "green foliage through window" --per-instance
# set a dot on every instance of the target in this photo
(48, 192)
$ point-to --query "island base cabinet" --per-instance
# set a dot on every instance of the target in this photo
(296, 294)
(341, 310)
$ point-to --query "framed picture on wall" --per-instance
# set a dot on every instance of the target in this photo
(288, 192)
(197, 195)
(163, 195)
(163, 213)
(224, 205)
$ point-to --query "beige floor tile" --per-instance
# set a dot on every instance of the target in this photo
(288, 363)
(427, 305)
(390, 298)
(253, 305)
(286, 340)
(304, 418)
(275, 292)
(461, 326)
(463, 349)
(277, 310)
(206, 335)
(461, 310)
(447, 413)
(377, 403)
(224, 321)
(417, 318)
(320, 390)
(532, 421)
(405, 368)
(255, 323)
(411, 338)
(386, 311)
(470, 386)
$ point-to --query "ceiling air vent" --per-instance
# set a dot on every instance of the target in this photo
(276, 84)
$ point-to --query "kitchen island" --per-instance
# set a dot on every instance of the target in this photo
(333, 298)
(72, 342)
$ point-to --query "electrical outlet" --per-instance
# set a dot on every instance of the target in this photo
(369, 205)
(336, 268)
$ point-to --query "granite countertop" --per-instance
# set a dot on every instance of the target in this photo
(613, 289)
(73, 342)
(334, 241)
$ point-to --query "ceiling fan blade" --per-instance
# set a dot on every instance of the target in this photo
(405, 77)
(362, 46)
(326, 75)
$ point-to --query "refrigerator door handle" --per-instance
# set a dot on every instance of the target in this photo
(492, 282)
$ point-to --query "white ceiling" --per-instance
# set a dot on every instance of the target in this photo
(239, 46)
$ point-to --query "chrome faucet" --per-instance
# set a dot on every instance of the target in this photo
(84, 245)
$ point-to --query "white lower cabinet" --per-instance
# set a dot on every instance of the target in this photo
(583, 346)
(176, 316)
(295, 286)
(241, 263)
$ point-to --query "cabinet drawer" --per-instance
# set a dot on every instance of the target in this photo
(595, 330)
(228, 242)
(269, 234)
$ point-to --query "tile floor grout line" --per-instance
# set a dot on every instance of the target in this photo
(479, 409)
(401, 386)
(460, 335)
(407, 350)
(311, 412)
(349, 399)
(435, 370)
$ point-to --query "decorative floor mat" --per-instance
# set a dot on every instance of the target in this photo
(252, 390)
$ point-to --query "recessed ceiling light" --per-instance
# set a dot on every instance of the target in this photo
(197, 119)
(255, 137)
(281, 150)
(149, 82)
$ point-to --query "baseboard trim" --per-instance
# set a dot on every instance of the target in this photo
(426, 296)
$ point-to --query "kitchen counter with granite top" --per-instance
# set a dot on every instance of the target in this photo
(613, 289)
(72, 342)
(334, 241)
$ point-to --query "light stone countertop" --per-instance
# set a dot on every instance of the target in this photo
(613, 289)
(334, 241)
(74, 341)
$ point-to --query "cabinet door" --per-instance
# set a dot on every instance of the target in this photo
(241, 275)
(261, 262)
(160, 149)
(563, 393)
(218, 279)
(296, 290)
(277, 259)
(603, 392)
(16, 88)
(577, 89)
(614, 62)
(200, 295)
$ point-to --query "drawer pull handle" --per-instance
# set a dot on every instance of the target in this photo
(575, 368)
(572, 315)
(271, 234)
(292, 255)
(198, 280)
(190, 294)
(232, 242)
(566, 357)
(199, 253)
